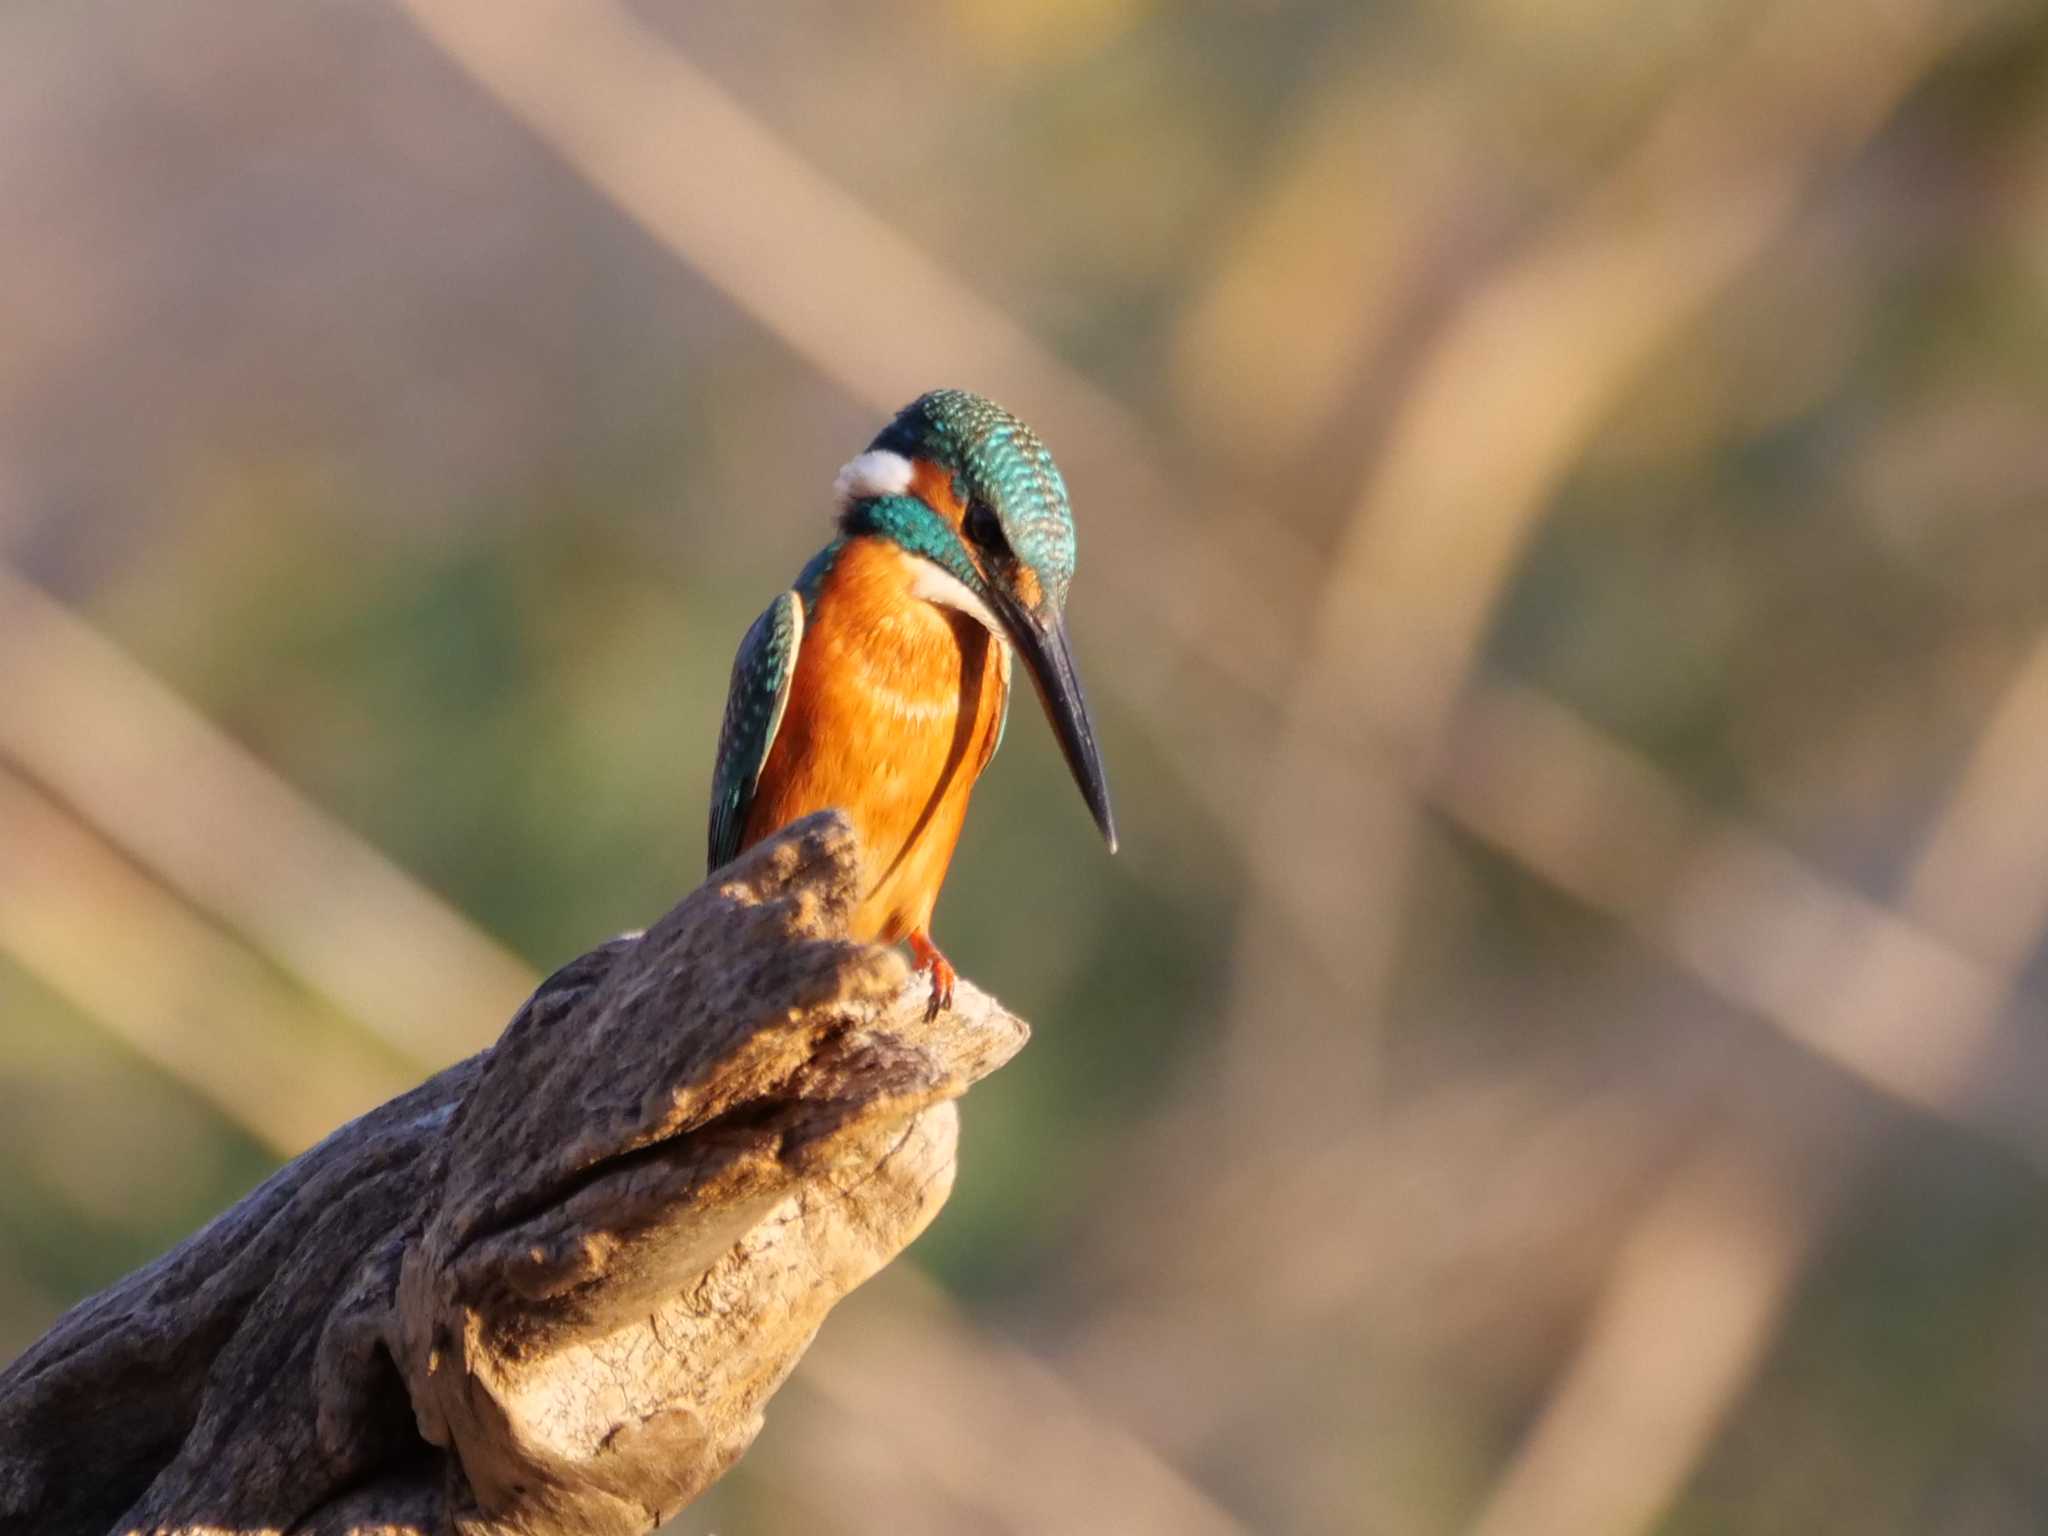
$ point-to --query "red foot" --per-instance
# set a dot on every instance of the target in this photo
(928, 958)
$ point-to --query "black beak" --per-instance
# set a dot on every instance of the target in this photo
(1043, 644)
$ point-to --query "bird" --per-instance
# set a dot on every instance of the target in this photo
(879, 683)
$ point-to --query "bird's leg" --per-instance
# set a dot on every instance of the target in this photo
(928, 958)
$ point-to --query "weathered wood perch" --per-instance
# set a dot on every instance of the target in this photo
(551, 1289)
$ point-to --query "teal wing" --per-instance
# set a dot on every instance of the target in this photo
(761, 675)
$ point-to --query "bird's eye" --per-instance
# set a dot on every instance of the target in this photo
(984, 528)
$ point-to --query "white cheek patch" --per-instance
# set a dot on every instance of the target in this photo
(936, 585)
(878, 472)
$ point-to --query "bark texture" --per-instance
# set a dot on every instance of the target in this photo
(550, 1290)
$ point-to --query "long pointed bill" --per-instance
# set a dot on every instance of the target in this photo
(1050, 661)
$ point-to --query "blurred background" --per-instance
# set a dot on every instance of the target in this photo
(1563, 497)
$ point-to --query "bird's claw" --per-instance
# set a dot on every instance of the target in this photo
(942, 973)
(942, 988)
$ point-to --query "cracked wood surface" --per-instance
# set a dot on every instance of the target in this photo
(551, 1289)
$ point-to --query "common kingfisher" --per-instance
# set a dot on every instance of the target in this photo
(880, 683)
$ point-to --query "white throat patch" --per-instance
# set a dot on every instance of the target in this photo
(878, 472)
(935, 584)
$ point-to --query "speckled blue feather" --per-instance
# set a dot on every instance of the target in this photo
(762, 673)
(999, 463)
(761, 676)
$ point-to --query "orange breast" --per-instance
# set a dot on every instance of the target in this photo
(892, 715)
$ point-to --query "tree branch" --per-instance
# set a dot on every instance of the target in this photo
(550, 1290)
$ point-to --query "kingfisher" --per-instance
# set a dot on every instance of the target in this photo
(880, 683)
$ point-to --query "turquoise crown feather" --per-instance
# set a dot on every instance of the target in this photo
(998, 464)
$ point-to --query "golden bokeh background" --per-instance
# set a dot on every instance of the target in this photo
(1563, 496)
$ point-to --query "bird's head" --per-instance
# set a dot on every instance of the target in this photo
(968, 490)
